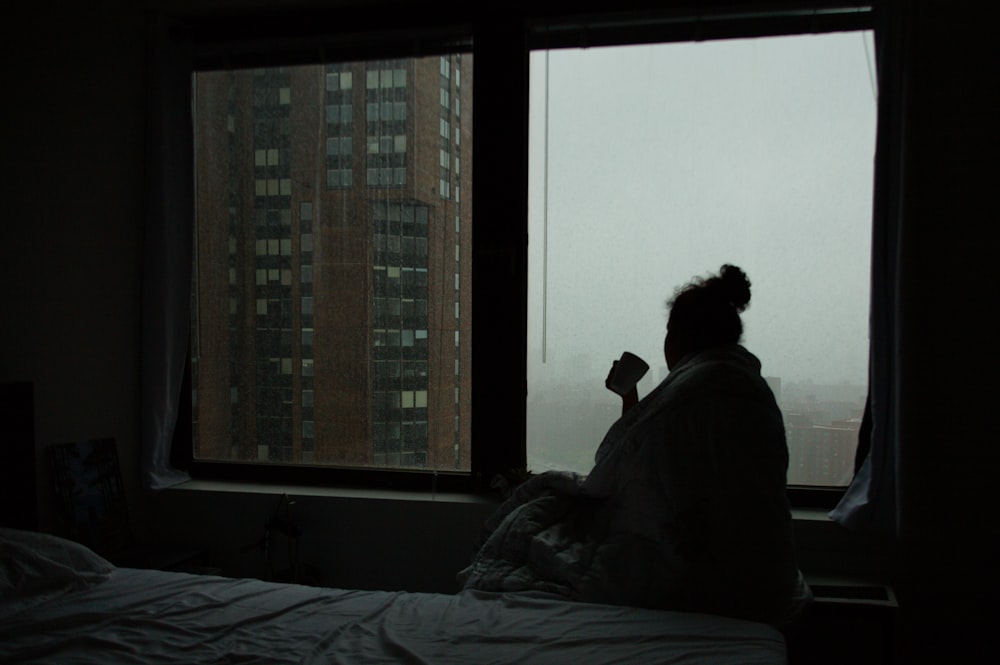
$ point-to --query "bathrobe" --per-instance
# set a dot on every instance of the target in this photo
(684, 509)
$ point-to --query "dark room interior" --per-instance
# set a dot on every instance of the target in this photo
(77, 172)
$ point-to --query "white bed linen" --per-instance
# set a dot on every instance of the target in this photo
(148, 617)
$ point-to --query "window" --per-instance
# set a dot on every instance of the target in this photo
(333, 193)
(372, 241)
(756, 152)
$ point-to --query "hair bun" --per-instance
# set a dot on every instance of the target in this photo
(735, 286)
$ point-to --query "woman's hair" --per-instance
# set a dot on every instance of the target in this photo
(706, 312)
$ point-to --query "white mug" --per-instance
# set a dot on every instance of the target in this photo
(628, 371)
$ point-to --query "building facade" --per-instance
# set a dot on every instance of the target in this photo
(332, 277)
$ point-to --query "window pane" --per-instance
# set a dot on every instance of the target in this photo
(755, 152)
(309, 262)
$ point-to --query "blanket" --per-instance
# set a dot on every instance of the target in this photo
(684, 509)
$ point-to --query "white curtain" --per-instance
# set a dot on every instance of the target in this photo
(167, 252)
(871, 503)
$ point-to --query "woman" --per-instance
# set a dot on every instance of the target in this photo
(714, 442)
(685, 507)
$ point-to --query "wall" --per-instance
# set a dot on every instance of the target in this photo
(349, 539)
(72, 183)
(948, 569)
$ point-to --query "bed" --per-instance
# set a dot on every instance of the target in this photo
(61, 603)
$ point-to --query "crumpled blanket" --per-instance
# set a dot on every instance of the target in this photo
(551, 536)
(536, 539)
(684, 509)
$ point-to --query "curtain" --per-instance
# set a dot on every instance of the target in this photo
(871, 502)
(167, 251)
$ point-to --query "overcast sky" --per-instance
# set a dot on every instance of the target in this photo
(666, 161)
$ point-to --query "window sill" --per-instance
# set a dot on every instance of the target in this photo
(277, 489)
(811, 516)
(204, 510)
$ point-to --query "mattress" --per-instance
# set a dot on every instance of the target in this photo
(111, 615)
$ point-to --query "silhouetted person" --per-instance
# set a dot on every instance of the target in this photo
(685, 507)
(722, 457)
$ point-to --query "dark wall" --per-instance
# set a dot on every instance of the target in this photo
(17, 456)
(72, 133)
(949, 564)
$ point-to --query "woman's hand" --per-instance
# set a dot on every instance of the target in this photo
(630, 398)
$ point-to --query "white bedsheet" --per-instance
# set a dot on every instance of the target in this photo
(149, 617)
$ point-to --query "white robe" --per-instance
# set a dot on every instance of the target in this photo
(685, 507)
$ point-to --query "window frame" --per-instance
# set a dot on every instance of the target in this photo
(500, 41)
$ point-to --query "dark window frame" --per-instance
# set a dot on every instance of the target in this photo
(500, 41)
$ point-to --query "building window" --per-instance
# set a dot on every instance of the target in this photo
(336, 81)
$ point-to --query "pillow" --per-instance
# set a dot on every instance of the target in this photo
(37, 566)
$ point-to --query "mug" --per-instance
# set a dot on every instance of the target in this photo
(629, 369)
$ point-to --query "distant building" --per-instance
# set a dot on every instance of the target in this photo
(820, 455)
(334, 219)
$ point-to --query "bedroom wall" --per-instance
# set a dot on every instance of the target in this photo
(948, 568)
(72, 204)
(71, 268)
(353, 540)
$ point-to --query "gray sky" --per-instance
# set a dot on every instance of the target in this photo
(666, 161)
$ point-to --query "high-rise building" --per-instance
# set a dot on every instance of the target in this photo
(332, 272)
(821, 455)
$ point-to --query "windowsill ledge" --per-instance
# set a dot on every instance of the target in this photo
(277, 489)
(811, 515)
(823, 546)
(807, 515)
